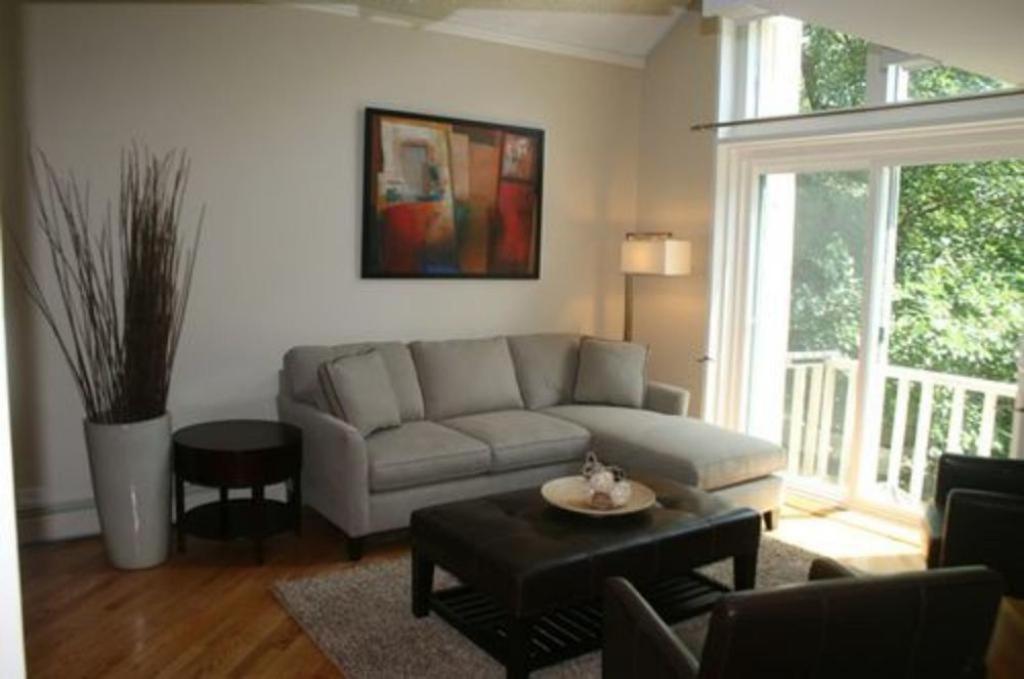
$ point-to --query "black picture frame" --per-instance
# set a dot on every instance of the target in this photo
(371, 265)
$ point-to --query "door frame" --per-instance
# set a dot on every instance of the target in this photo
(740, 164)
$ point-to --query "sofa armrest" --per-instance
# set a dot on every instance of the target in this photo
(666, 398)
(335, 468)
(637, 643)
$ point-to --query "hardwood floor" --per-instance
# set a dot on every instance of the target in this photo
(210, 612)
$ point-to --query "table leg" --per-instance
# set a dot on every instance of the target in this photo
(517, 659)
(179, 511)
(297, 502)
(223, 512)
(261, 520)
(744, 571)
(422, 584)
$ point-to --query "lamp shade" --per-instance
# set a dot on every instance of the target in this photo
(656, 256)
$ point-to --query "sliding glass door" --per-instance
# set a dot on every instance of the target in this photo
(885, 303)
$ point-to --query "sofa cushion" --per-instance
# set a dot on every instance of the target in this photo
(611, 373)
(358, 390)
(420, 453)
(301, 364)
(545, 367)
(520, 438)
(680, 448)
(462, 377)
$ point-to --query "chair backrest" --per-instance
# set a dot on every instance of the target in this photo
(930, 624)
(978, 473)
(986, 528)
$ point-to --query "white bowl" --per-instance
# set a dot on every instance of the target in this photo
(572, 493)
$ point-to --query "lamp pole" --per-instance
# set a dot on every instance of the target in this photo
(627, 324)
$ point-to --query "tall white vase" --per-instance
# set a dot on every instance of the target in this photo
(131, 481)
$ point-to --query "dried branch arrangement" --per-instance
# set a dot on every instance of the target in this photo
(121, 291)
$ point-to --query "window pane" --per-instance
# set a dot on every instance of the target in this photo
(810, 253)
(805, 68)
(937, 82)
(834, 69)
(957, 315)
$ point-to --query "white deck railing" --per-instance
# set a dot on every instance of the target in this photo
(822, 387)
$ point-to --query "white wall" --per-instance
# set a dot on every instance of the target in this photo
(676, 183)
(268, 101)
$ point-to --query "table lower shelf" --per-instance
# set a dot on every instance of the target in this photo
(238, 519)
(572, 631)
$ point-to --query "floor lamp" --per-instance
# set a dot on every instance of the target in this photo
(650, 254)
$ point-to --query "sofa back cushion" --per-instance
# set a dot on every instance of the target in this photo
(461, 377)
(545, 367)
(611, 373)
(301, 364)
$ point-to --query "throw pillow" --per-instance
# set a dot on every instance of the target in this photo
(358, 390)
(611, 373)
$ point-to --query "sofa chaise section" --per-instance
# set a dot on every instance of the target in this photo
(686, 450)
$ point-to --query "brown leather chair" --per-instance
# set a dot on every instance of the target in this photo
(924, 624)
(977, 517)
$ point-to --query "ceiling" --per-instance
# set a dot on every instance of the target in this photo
(616, 31)
(979, 35)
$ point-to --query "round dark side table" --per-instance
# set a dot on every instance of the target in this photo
(238, 454)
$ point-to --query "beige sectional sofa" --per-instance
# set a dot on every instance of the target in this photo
(480, 416)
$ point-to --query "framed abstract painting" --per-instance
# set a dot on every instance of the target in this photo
(449, 198)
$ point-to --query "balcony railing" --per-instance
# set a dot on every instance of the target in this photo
(925, 413)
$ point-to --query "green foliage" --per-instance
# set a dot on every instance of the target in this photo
(936, 82)
(958, 305)
(828, 260)
(833, 68)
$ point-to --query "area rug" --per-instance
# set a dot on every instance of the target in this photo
(360, 618)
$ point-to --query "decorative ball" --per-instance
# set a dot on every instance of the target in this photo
(621, 492)
(603, 482)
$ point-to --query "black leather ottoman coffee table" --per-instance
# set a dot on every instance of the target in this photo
(532, 573)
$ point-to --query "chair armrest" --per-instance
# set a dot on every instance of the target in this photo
(829, 569)
(986, 528)
(335, 467)
(978, 473)
(666, 398)
(637, 643)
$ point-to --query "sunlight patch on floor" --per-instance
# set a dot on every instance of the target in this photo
(861, 542)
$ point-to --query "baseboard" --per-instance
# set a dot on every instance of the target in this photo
(56, 521)
(40, 521)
